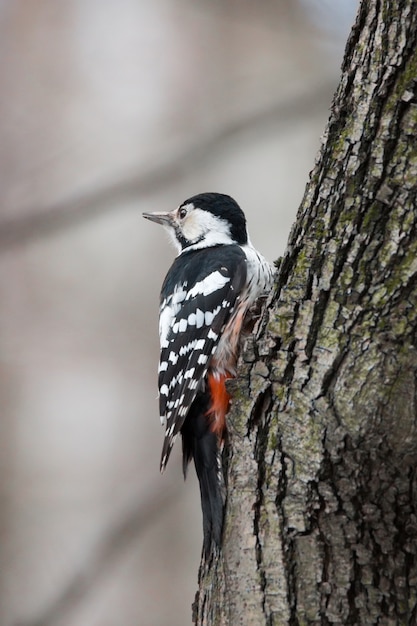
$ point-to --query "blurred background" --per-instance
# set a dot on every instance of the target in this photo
(108, 109)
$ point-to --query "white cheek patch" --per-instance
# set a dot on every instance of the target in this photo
(193, 227)
(203, 229)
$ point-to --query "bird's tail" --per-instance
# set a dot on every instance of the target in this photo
(200, 443)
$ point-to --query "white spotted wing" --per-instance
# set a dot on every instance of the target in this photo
(198, 297)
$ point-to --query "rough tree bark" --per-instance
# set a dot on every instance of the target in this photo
(321, 523)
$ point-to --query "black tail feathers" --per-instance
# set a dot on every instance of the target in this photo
(200, 444)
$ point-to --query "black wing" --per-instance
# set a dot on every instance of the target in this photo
(199, 295)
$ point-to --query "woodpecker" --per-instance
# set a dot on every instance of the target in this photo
(213, 282)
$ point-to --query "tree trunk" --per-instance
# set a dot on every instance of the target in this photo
(321, 523)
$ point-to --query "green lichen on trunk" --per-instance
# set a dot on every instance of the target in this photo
(321, 519)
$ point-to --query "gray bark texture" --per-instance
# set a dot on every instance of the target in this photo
(321, 524)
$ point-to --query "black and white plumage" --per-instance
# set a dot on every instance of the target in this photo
(214, 280)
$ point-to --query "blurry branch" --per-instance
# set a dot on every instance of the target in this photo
(42, 222)
(108, 550)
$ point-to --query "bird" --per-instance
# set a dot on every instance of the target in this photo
(208, 292)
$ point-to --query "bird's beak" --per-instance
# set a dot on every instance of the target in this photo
(159, 217)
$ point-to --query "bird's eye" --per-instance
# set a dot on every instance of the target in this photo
(182, 212)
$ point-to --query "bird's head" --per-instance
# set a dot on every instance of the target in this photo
(208, 219)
